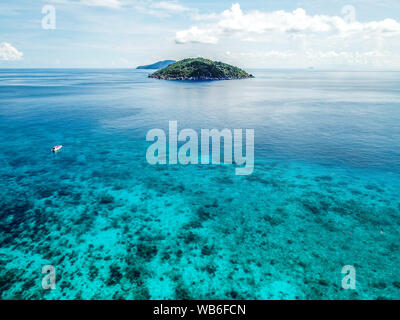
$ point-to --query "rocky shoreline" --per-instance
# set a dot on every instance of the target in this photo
(202, 78)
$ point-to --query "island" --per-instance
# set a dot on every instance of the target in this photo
(200, 69)
(158, 65)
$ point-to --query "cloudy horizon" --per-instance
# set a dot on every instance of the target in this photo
(251, 34)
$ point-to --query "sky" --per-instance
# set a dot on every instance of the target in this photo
(352, 34)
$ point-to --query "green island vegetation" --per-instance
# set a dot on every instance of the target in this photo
(200, 69)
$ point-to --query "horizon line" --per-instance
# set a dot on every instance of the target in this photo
(344, 69)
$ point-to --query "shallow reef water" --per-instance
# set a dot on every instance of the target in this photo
(324, 192)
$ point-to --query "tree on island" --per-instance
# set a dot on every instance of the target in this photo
(200, 69)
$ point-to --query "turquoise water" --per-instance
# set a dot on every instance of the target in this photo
(324, 192)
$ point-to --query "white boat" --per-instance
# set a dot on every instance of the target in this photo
(56, 148)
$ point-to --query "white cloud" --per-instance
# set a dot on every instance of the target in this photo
(161, 9)
(103, 3)
(194, 34)
(9, 53)
(169, 6)
(318, 58)
(235, 22)
(115, 4)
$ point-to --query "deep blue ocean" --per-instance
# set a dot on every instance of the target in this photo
(324, 192)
